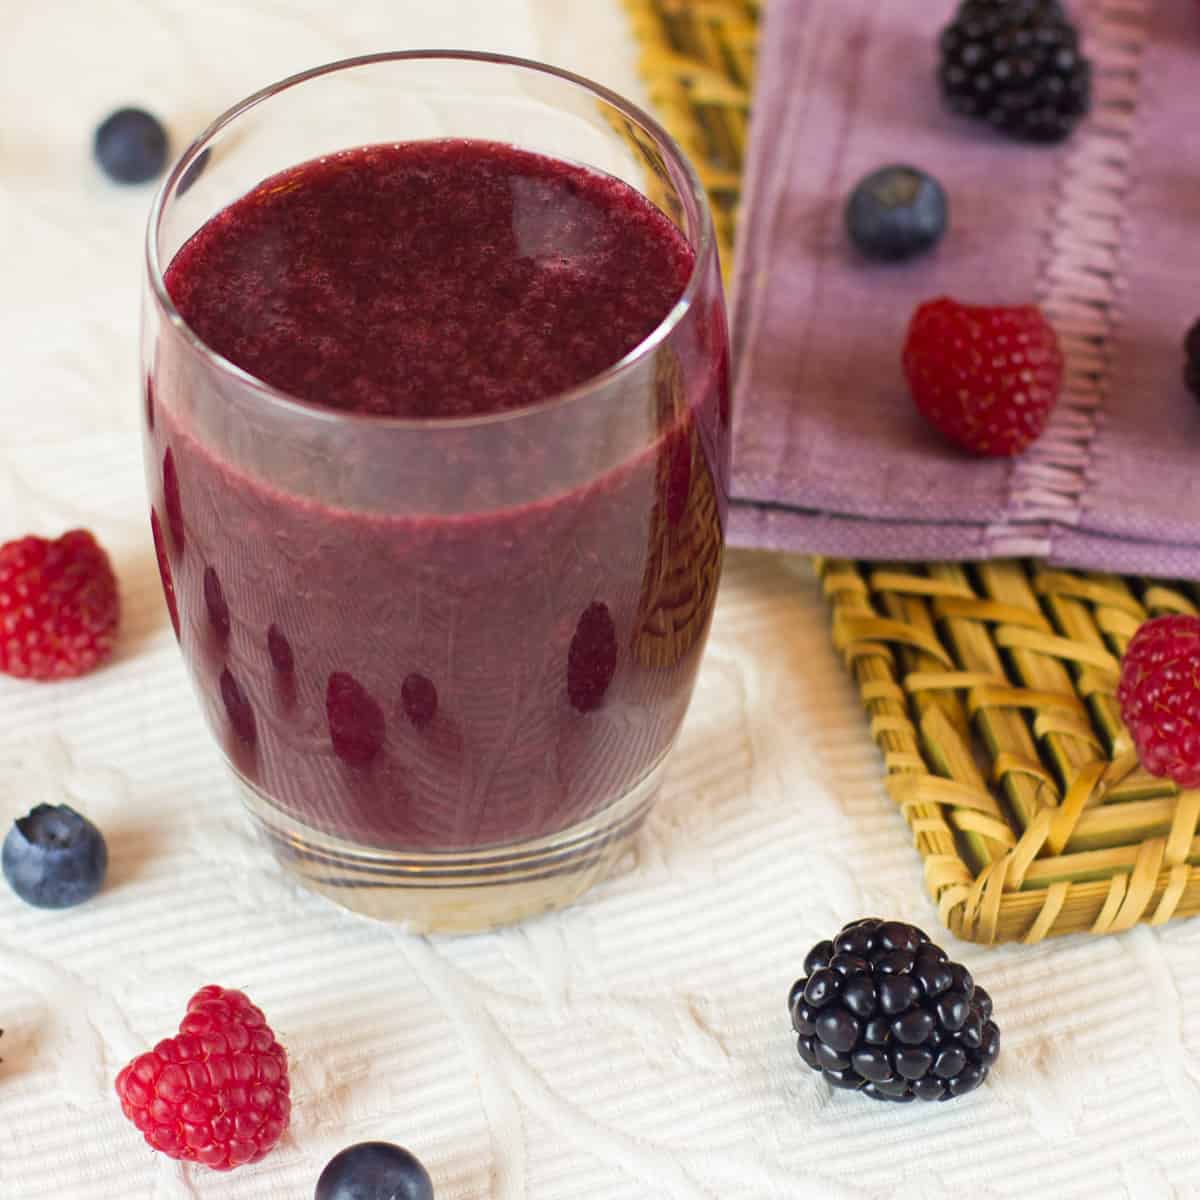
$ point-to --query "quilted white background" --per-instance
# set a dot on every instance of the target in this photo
(636, 1046)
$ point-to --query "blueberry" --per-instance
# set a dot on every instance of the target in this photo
(131, 146)
(374, 1171)
(54, 858)
(896, 213)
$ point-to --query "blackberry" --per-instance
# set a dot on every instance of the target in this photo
(1016, 65)
(1191, 350)
(880, 1009)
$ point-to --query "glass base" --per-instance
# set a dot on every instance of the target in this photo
(464, 891)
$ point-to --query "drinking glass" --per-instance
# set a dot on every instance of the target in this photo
(445, 658)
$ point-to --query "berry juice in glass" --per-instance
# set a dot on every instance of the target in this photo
(437, 440)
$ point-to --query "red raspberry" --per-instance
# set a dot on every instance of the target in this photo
(1159, 695)
(59, 606)
(986, 378)
(217, 1094)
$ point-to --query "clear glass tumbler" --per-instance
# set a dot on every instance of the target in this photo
(445, 658)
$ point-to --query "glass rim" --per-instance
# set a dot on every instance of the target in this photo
(704, 247)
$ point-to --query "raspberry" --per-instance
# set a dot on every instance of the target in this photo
(986, 378)
(218, 1093)
(59, 606)
(1159, 693)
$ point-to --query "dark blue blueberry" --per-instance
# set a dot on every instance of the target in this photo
(374, 1171)
(131, 146)
(54, 858)
(896, 213)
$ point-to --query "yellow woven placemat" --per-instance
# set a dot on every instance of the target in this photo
(990, 687)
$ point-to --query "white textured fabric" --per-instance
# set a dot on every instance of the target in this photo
(635, 1046)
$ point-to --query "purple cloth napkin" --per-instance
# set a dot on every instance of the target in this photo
(830, 455)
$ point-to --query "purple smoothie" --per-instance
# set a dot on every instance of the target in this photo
(491, 641)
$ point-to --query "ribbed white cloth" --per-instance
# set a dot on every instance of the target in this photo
(636, 1046)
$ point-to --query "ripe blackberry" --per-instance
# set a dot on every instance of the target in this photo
(1016, 65)
(882, 1010)
(1191, 350)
